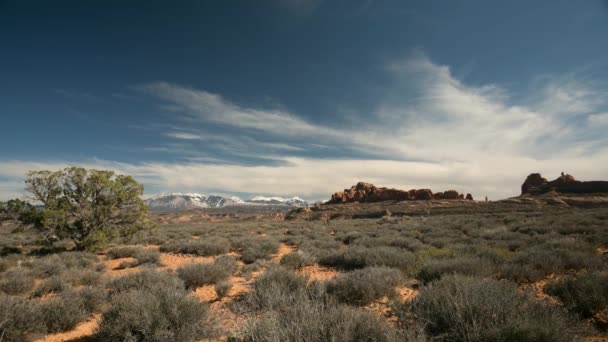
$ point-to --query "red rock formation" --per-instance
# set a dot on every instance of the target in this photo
(536, 184)
(366, 192)
(469, 197)
(533, 182)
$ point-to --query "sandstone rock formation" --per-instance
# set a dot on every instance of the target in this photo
(366, 192)
(535, 184)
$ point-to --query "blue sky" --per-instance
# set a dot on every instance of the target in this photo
(305, 97)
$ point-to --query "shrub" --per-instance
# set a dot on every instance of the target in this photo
(17, 281)
(222, 288)
(434, 269)
(276, 288)
(206, 247)
(459, 308)
(54, 284)
(144, 280)
(359, 257)
(92, 298)
(157, 314)
(585, 295)
(63, 313)
(297, 260)
(259, 249)
(123, 252)
(363, 286)
(20, 319)
(313, 321)
(195, 275)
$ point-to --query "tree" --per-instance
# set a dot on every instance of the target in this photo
(16, 210)
(90, 207)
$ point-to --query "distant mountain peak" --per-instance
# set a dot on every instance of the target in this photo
(176, 201)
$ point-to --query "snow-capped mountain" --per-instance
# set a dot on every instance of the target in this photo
(294, 201)
(184, 201)
(179, 201)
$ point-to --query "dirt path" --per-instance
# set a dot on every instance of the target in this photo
(83, 329)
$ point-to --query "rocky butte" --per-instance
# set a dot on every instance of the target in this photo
(535, 184)
(366, 192)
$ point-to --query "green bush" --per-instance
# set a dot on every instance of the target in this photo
(120, 252)
(156, 314)
(20, 319)
(363, 286)
(585, 294)
(459, 308)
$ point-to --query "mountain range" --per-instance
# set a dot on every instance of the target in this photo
(184, 201)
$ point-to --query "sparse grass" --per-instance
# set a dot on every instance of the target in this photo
(584, 294)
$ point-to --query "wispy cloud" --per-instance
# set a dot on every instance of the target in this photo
(430, 130)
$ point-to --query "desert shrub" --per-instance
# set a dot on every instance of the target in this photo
(322, 323)
(119, 252)
(20, 319)
(17, 281)
(222, 288)
(144, 280)
(459, 308)
(360, 257)
(585, 294)
(226, 263)
(202, 247)
(87, 278)
(297, 260)
(276, 288)
(433, 269)
(53, 284)
(156, 314)
(531, 264)
(363, 286)
(198, 274)
(93, 298)
(63, 312)
(258, 249)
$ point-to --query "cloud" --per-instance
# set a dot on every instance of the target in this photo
(429, 130)
(598, 119)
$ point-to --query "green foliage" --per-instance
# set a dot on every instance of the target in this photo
(585, 294)
(89, 207)
(17, 210)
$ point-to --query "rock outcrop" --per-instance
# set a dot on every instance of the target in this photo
(535, 184)
(366, 192)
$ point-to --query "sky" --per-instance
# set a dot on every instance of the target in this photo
(305, 97)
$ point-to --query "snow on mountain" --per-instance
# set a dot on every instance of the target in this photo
(183, 201)
(180, 201)
(294, 201)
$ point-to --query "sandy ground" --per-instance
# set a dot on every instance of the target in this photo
(83, 329)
